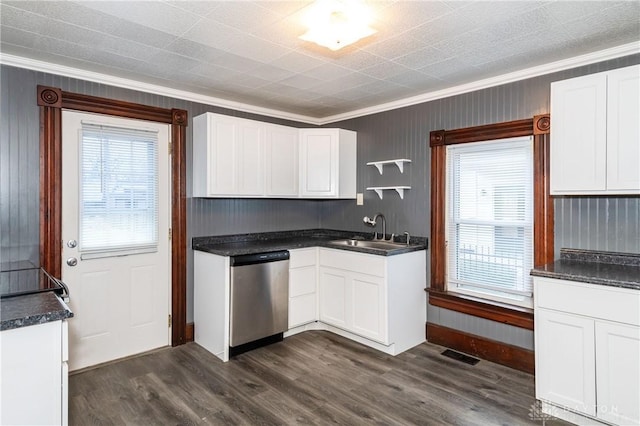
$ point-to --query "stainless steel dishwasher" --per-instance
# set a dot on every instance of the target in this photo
(259, 300)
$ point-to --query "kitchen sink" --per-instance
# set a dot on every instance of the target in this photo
(383, 245)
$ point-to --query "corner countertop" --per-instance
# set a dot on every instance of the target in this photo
(239, 244)
(32, 309)
(594, 267)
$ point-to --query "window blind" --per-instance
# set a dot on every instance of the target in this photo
(490, 219)
(118, 190)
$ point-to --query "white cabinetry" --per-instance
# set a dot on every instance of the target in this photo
(282, 161)
(211, 301)
(327, 163)
(378, 301)
(34, 375)
(587, 348)
(236, 157)
(566, 368)
(228, 156)
(595, 137)
(379, 298)
(303, 304)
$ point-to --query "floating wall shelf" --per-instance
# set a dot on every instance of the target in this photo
(398, 162)
(398, 189)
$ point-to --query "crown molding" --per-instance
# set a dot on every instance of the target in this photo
(574, 62)
(125, 83)
(564, 64)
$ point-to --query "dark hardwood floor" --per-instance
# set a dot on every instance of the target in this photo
(310, 378)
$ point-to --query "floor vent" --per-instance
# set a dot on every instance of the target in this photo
(460, 357)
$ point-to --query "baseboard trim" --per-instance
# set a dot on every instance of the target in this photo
(481, 347)
(188, 332)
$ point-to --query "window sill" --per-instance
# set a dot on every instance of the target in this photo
(495, 311)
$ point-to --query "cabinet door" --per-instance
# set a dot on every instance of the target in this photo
(578, 135)
(250, 158)
(31, 372)
(302, 296)
(282, 161)
(302, 310)
(319, 163)
(368, 305)
(333, 293)
(618, 373)
(222, 156)
(623, 130)
(565, 360)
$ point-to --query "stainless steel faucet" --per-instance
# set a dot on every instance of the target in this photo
(373, 222)
(408, 237)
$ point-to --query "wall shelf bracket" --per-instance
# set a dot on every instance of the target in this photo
(398, 162)
(399, 189)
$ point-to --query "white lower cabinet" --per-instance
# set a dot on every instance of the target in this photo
(354, 301)
(34, 375)
(379, 301)
(587, 348)
(378, 298)
(618, 372)
(303, 304)
(333, 297)
(566, 365)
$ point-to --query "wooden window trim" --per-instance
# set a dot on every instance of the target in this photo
(539, 128)
(51, 101)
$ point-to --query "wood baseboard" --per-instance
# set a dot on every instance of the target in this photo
(481, 347)
(188, 332)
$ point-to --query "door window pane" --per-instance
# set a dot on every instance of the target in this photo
(118, 190)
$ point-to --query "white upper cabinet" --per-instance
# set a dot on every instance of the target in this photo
(328, 163)
(282, 161)
(236, 157)
(227, 156)
(595, 141)
(623, 130)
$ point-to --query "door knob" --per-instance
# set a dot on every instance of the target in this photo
(72, 243)
(72, 261)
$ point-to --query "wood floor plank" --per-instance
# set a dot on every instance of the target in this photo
(312, 378)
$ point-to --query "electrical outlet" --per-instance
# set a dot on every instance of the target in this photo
(359, 199)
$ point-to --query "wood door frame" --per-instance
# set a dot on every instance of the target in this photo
(51, 101)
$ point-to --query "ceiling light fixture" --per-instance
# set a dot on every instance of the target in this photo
(337, 23)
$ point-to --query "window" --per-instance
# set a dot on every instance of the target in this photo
(505, 232)
(118, 191)
(489, 221)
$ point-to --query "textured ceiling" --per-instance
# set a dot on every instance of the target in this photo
(249, 52)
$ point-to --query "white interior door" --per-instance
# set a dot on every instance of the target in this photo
(115, 236)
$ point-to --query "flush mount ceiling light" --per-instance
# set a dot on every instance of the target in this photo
(337, 23)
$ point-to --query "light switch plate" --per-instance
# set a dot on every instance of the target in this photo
(359, 199)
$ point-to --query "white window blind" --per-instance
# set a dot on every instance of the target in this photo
(490, 219)
(118, 191)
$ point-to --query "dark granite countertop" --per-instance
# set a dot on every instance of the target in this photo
(594, 267)
(239, 244)
(32, 309)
